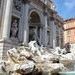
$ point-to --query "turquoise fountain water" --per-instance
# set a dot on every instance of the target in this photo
(67, 73)
(71, 70)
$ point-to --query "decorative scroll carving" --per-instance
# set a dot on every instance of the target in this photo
(17, 4)
(14, 28)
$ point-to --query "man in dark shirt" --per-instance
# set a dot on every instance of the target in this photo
(68, 46)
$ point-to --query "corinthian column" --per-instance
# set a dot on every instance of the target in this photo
(26, 26)
(6, 21)
(45, 19)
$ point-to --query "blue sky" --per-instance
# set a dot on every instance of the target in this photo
(65, 8)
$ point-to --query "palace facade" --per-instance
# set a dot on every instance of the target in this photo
(22, 21)
(69, 32)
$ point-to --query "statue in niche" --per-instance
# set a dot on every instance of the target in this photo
(17, 4)
(14, 28)
(32, 34)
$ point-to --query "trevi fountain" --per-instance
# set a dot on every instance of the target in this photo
(24, 24)
(33, 59)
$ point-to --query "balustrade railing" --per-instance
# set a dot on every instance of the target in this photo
(48, 3)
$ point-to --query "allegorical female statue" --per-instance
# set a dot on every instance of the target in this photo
(14, 28)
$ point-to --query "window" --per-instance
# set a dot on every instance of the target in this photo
(68, 32)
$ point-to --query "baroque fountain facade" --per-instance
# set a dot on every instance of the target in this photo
(30, 32)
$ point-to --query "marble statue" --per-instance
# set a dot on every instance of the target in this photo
(24, 60)
(34, 47)
(3, 70)
(19, 61)
(14, 28)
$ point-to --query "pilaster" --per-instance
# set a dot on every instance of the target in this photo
(45, 28)
(6, 20)
(5, 26)
(53, 35)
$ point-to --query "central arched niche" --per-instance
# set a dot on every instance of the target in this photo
(34, 27)
(34, 17)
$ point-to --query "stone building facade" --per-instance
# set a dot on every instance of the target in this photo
(22, 21)
(69, 31)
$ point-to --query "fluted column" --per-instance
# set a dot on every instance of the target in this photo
(45, 29)
(26, 26)
(6, 21)
(53, 34)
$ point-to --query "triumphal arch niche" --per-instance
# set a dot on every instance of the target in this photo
(34, 27)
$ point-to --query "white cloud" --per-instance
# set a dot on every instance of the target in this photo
(69, 4)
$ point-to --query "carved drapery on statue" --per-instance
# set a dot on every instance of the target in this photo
(32, 34)
(14, 27)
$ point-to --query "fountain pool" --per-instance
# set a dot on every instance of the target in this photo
(67, 73)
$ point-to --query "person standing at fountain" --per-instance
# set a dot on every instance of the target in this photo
(67, 47)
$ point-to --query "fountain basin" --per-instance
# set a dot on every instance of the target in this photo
(67, 73)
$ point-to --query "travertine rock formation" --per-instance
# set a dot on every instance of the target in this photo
(33, 58)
